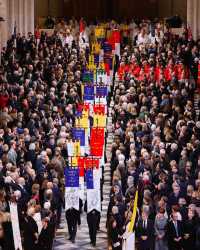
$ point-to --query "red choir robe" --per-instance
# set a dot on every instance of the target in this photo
(157, 73)
(168, 72)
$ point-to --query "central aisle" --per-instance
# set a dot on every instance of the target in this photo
(82, 238)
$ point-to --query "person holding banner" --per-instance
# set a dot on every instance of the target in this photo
(93, 223)
(72, 200)
(72, 216)
(93, 202)
(128, 242)
(129, 234)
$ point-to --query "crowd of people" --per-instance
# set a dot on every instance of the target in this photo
(156, 145)
(156, 148)
(39, 92)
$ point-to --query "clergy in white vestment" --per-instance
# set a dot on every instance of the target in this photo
(129, 235)
(128, 239)
(143, 38)
(69, 38)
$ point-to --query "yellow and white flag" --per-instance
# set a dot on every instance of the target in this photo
(133, 217)
(129, 235)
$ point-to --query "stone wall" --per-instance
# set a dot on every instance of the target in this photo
(4, 24)
(111, 8)
(19, 13)
(49, 7)
(167, 8)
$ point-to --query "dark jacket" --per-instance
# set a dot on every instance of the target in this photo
(172, 234)
(145, 231)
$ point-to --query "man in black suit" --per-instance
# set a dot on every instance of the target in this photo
(175, 195)
(22, 188)
(145, 232)
(92, 220)
(72, 216)
(46, 236)
(175, 232)
(30, 230)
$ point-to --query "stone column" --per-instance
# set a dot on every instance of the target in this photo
(190, 13)
(3, 24)
(198, 20)
(31, 15)
(21, 16)
(16, 15)
(26, 13)
(11, 16)
(195, 16)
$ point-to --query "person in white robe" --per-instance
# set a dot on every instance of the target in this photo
(128, 239)
(69, 38)
(128, 242)
(143, 38)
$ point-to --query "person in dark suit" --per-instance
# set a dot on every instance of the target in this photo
(72, 216)
(31, 154)
(57, 200)
(175, 195)
(175, 232)
(92, 220)
(45, 241)
(145, 232)
(80, 211)
(6, 235)
(190, 226)
(24, 194)
(30, 231)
